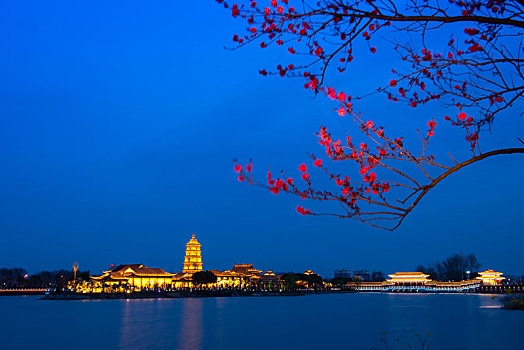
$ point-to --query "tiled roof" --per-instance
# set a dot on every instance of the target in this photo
(246, 269)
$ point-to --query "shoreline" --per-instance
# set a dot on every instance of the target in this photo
(185, 294)
(221, 294)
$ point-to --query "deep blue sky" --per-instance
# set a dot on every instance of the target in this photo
(118, 127)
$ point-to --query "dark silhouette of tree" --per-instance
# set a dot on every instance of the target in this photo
(292, 280)
(477, 75)
(12, 277)
(204, 277)
(453, 268)
(433, 274)
(340, 281)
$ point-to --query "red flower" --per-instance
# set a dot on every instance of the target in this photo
(475, 47)
(238, 168)
(369, 124)
(291, 50)
(249, 167)
(462, 116)
(393, 83)
(274, 3)
(318, 51)
(345, 191)
(234, 11)
(341, 96)
(280, 9)
(341, 111)
(305, 176)
(302, 168)
(318, 162)
(303, 211)
(363, 146)
(289, 181)
(373, 49)
(471, 31)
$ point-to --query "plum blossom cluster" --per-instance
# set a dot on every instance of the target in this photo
(476, 74)
(472, 70)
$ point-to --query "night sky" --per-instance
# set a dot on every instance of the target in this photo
(119, 124)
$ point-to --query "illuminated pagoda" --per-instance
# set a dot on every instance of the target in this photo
(408, 278)
(193, 258)
(490, 277)
(136, 275)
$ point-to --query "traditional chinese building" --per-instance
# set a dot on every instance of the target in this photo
(246, 269)
(408, 278)
(490, 277)
(228, 279)
(134, 275)
(193, 258)
(414, 282)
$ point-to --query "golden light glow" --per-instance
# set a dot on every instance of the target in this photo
(193, 258)
(491, 277)
(408, 277)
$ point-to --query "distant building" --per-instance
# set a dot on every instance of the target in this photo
(342, 273)
(491, 277)
(414, 281)
(378, 276)
(362, 275)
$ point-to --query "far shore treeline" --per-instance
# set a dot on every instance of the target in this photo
(18, 277)
(456, 267)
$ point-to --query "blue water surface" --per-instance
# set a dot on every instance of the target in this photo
(333, 321)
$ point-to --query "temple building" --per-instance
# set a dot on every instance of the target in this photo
(134, 275)
(408, 278)
(193, 258)
(491, 277)
(246, 269)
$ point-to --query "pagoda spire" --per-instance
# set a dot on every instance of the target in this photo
(193, 258)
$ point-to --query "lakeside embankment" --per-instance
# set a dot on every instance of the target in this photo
(185, 294)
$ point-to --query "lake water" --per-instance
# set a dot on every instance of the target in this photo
(332, 321)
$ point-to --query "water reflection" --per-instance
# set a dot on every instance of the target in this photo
(137, 322)
(191, 329)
